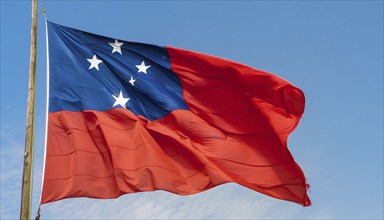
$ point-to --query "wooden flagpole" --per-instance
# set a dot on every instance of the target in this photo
(26, 192)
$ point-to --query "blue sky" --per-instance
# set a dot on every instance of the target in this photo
(332, 50)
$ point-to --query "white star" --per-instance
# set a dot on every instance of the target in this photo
(120, 100)
(142, 67)
(94, 62)
(132, 81)
(116, 47)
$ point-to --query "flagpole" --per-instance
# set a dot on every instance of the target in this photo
(26, 192)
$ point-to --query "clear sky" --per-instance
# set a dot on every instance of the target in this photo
(332, 50)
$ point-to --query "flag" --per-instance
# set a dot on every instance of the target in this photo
(127, 117)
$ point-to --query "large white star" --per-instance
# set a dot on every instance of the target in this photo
(132, 81)
(142, 67)
(116, 47)
(94, 62)
(120, 100)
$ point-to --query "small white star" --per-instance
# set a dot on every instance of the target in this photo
(132, 81)
(142, 67)
(116, 47)
(120, 100)
(94, 62)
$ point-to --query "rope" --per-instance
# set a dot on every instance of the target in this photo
(43, 10)
(38, 213)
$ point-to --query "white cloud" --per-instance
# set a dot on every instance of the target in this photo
(229, 201)
(11, 157)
